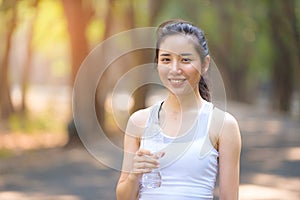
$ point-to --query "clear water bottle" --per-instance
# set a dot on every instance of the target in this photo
(151, 179)
(154, 144)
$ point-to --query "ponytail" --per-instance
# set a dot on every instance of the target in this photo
(203, 89)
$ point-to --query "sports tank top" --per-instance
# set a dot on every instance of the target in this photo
(190, 165)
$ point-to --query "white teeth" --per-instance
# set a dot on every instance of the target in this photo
(176, 81)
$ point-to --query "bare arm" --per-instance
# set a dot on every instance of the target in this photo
(135, 162)
(128, 185)
(229, 159)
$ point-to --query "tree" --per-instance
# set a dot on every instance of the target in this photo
(285, 39)
(102, 89)
(146, 55)
(28, 58)
(128, 13)
(6, 106)
(78, 14)
(231, 53)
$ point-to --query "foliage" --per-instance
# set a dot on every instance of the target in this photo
(50, 39)
(6, 153)
(30, 123)
(239, 33)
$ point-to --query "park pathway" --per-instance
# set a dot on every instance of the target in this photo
(270, 165)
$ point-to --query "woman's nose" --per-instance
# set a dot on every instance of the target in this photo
(175, 68)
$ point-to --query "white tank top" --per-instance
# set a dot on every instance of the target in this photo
(190, 165)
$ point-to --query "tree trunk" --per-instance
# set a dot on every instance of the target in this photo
(290, 10)
(28, 60)
(6, 106)
(283, 66)
(102, 89)
(144, 56)
(139, 96)
(77, 14)
(222, 51)
(233, 62)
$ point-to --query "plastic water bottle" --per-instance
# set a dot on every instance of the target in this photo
(151, 179)
(154, 144)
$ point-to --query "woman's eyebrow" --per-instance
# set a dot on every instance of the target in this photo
(164, 54)
(186, 54)
(182, 54)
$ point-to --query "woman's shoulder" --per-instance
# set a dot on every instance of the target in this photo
(138, 120)
(140, 117)
(224, 125)
(230, 130)
(222, 119)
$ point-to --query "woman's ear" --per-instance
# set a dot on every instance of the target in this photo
(205, 64)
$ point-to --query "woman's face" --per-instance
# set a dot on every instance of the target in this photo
(179, 65)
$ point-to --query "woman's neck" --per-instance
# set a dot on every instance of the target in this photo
(178, 114)
(181, 104)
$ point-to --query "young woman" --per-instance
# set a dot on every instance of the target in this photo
(206, 141)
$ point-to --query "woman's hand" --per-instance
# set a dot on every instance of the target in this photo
(144, 161)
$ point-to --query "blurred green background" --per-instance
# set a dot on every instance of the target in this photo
(255, 44)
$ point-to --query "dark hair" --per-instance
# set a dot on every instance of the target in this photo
(178, 26)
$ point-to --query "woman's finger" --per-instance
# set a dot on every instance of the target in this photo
(142, 152)
(145, 165)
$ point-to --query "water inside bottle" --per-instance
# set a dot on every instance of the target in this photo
(151, 179)
(154, 143)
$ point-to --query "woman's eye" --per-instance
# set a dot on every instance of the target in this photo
(164, 60)
(186, 60)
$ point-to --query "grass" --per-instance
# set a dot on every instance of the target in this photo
(26, 123)
(6, 153)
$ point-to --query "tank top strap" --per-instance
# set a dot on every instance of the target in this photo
(210, 109)
(154, 114)
(207, 146)
(203, 120)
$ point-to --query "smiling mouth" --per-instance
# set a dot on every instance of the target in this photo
(177, 81)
